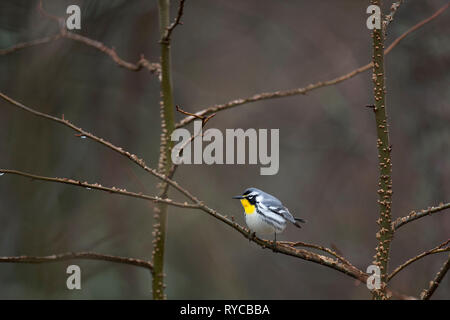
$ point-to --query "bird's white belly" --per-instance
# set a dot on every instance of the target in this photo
(258, 225)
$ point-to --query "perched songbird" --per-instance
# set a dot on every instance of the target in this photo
(265, 214)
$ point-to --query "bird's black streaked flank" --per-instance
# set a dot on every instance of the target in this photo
(264, 213)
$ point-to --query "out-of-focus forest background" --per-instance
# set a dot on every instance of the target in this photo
(225, 50)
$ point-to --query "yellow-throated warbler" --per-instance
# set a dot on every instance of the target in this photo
(264, 213)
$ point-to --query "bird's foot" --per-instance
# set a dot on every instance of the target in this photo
(274, 246)
(251, 236)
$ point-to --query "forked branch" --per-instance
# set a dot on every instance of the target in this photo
(443, 247)
(169, 29)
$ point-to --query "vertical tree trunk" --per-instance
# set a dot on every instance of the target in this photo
(167, 126)
(384, 235)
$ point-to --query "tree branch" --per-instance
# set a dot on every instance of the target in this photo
(83, 133)
(308, 88)
(78, 255)
(416, 27)
(142, 63)
(426, 294)
(318, 247)
(97, 186)
(413, 215)
(166, 38)
(440, 248)
(33, 43)
(289, 250)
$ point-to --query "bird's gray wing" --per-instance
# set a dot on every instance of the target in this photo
(277, 207)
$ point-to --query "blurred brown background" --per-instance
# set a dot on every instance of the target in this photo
(225, 50)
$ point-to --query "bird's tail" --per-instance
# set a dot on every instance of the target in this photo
(297, 220)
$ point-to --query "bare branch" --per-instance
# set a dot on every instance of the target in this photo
(415, 27)
(426, 294)
(413, 215)
(83, 133)
(33, 43)
(310, 87)
(271, 95)
(97, 186)
(440, 248)
(142, 63)
(204, 119)
(318, 247)
(78, 255)
(177, 21)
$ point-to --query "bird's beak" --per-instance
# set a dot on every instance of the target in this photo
(238, 197)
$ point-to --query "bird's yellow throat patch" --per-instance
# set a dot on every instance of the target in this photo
(248, 207)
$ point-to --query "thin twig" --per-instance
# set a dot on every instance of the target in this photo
(204, 120)
(33, 43)
(142, 63)
(78, 255)
(318, 247)
(310, 87)
(413, 215)
(415, 27)
(96, 186)
(440, 248)
(426, 294)
(177, 21)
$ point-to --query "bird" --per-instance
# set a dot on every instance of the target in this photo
(265, 214)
